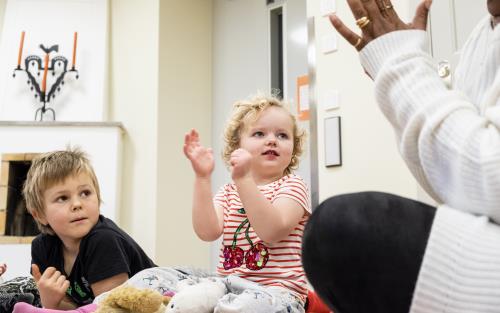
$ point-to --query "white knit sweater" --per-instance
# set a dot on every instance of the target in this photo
(450, 140)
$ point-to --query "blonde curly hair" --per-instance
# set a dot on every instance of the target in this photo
(246, 112)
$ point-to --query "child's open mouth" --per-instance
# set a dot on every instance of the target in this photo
(271, 152)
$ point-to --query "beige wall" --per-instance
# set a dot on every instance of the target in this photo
(133, 96)
(161, 87)
(185, 93)
(370, 157)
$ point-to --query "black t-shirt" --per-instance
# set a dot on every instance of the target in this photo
(105, 251)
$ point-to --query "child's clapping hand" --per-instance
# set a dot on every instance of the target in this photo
(202, 159)
(241, 162)
(3, 268)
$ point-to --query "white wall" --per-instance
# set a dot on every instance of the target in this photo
(369, 153)
(3, 3)
(18, 260)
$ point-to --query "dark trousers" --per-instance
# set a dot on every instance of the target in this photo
(362, 252)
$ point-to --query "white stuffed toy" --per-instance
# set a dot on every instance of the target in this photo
(201, 297)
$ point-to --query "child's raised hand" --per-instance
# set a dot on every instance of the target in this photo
(241, 161)
(52, 286)
(202, 159)
(3, 268)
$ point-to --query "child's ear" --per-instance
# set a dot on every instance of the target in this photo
(40, 218)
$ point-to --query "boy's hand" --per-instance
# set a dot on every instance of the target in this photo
(241, 161)
(202, 159)
(52, 286)
(3, 268)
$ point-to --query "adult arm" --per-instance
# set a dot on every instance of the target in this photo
(449, 139)
(451, 142)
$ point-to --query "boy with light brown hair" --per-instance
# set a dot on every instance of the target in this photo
(79, 253)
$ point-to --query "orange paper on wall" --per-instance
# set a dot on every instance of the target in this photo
(303, 98)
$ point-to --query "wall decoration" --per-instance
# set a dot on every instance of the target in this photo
(60, 47)
(37, 82)
(333, 142)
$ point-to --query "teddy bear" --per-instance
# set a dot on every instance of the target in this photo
(123, 299)
(128, 299)
(199, 297)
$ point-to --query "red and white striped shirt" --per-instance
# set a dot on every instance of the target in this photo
(284, 266)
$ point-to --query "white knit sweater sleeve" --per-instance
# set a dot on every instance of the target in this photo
(450, 142)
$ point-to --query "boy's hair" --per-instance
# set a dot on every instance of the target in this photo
(52, 168)
(248, 111)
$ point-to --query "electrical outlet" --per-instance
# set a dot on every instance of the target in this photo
(330, 100)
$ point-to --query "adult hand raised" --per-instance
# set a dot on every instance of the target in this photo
(376, 18)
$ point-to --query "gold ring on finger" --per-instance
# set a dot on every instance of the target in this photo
(358, 42)
(362, 22)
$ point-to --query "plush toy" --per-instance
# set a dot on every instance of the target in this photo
(125, 299)
(128, 299)
(201, 297)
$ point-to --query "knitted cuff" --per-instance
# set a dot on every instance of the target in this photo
(397, 44)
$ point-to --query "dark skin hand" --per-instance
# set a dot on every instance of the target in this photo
(383, 19)
(494, 7)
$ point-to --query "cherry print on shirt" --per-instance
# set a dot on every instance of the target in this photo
(255, 258)
(233, 255)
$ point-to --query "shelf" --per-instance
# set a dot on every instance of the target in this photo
(60, 124)
(15, 240)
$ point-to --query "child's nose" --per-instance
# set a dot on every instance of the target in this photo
(76, 204)
(271, 140)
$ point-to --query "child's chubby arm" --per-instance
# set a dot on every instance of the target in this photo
(207, 219)
(52, 286)
(271, 221)
(108, 283)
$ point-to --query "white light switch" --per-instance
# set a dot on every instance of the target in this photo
(330, 100)
(327, 7)
(329, 43)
